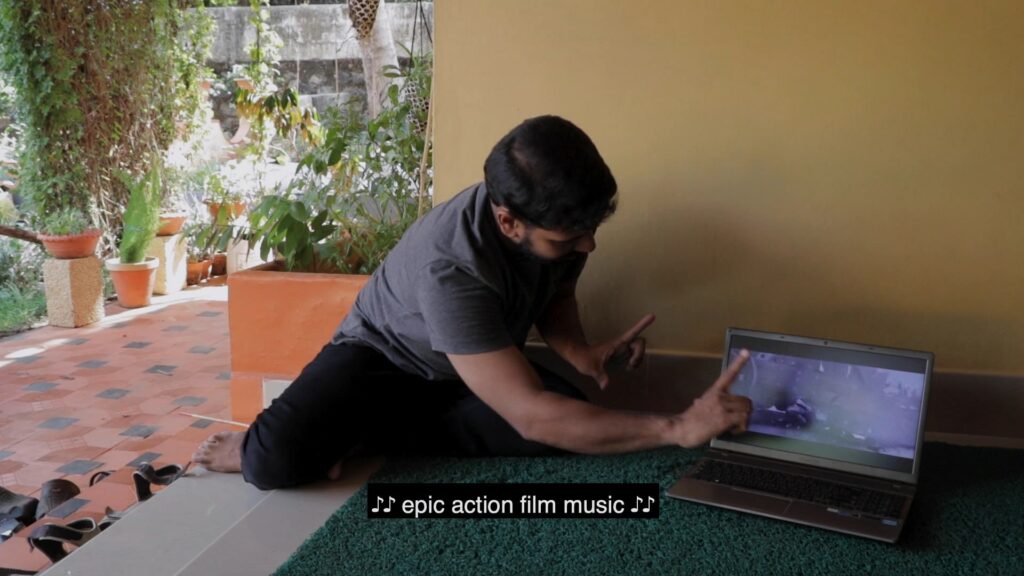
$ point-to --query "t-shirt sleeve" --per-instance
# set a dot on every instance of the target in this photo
(462, 314)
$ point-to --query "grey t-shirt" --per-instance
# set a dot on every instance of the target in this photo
(451, 285)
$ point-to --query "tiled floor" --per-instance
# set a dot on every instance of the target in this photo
(110, 396)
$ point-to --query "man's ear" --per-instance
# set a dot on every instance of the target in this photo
(509, 225)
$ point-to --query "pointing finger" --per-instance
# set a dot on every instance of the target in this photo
(639, 346)
(640, 326)
(730, 374)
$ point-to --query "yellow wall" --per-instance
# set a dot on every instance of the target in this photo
(848, 169)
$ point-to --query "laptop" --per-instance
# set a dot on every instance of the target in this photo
(834, 439)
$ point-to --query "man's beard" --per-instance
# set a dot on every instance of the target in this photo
(525, 249)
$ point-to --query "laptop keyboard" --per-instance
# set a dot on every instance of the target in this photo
(842, 496)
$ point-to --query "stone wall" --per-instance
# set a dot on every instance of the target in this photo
(320, 56)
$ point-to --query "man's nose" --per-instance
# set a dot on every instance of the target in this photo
(586, 244)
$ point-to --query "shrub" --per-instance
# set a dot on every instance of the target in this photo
(66, 221)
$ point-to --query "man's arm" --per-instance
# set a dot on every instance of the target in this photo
(506, 382)
(560, 326)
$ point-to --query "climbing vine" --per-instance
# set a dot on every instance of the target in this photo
(101, 85)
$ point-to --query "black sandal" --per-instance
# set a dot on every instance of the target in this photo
(145, 476)
(8, 526)
(23, 508)
(53, 493)
(50, 539)
(99, 476)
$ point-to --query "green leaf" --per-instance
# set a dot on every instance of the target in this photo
(298, 211)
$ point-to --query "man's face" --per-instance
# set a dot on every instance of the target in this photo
(556, 246)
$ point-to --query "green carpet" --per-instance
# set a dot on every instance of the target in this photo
(967, 518)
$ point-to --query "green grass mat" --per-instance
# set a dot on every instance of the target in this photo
(967, 518)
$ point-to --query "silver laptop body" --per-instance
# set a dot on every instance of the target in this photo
(834, 439)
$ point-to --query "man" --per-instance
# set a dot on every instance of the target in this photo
(429, 359)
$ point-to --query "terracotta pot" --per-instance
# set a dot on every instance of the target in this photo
(243, 83)
(235, 210)
(133, 282)
(171, 223)
(196, 271)
(220, 264)
(277, 341)
(73, 246)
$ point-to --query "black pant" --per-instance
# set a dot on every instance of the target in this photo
(352, 400)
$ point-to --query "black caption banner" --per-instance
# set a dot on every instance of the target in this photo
(512, 500)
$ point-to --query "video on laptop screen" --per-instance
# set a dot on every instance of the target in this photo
(853, 406)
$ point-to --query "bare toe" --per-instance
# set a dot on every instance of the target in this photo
(221, 452)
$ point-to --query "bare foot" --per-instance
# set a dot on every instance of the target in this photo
(221, 452)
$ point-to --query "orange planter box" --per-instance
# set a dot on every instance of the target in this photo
(278, 322)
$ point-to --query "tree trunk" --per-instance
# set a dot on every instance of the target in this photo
(377, 48)
(20, 234)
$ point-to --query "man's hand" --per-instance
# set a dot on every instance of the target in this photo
(716, 410)
(629, 347)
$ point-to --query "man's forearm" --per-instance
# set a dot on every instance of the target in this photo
(561, 328)
(582, 427)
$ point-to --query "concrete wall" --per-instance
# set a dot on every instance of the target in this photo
(320, 53)
(846, 169)
(310, 32)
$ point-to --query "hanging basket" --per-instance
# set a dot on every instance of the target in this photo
(363, 14)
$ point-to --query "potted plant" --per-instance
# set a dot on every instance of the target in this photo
(68, 233)
(353, 198)
(198, 266)
(133, 273)
(199, 260)
(225, 203)
(173, 209)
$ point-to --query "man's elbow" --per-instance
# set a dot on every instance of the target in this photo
(540, 431)
(529, 427)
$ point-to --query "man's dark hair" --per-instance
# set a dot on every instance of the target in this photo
(548, 172)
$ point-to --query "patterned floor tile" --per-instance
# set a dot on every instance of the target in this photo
(140, 431)
(104, 493)
(105, 438)
(189, 401)
(67, 509)
(78, 453)
(113, 393)
(165, 369)
(64, 409)
(10, 466)
(79, 466)
(144, 458)
(57, 423)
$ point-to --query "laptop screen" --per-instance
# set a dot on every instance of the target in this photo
(847, 403)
